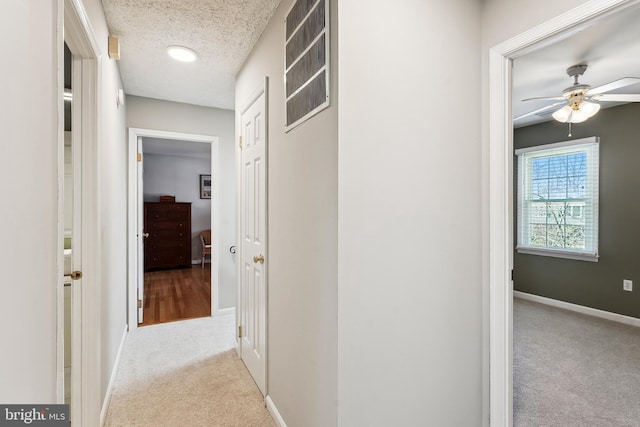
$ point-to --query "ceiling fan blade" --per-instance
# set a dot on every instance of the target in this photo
(546, 98)
(617, 97)
(539, 110)
(616, 84)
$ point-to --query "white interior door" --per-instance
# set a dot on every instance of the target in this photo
(140, 233)
(76, 260)
(253, 240)
(75, 310)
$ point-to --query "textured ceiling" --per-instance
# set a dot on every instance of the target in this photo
(222, 32)
(609, 46)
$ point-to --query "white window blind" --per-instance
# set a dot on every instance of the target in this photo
(558, 199)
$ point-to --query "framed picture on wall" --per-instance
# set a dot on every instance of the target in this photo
(205, 186)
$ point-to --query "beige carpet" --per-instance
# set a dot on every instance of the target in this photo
(185, 374)
(571, 369)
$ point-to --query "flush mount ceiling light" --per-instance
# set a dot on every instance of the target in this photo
(182, 53)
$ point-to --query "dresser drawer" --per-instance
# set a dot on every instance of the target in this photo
(166, 244)
(169, 215)
(168, 234)
(167, 225)
(165, 260)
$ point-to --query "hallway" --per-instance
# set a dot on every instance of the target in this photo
(185, 373)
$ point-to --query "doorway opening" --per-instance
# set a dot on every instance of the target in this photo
(177, 230)
(67, 192)
(179, 193)
(556, 263)
(501, 203)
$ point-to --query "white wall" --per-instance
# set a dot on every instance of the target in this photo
(410, 289)
(302, 248)
(147, 113)
(503, 19)
(28, 183)
(28, 306)
(179, 176)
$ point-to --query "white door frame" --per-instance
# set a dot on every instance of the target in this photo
(132, 185)
(501, 192)
(139, 231)
(73, 28)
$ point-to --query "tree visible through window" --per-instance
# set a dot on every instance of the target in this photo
(558, 197)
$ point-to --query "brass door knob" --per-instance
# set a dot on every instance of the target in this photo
(258, 259)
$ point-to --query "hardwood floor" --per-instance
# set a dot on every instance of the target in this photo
(171, 295)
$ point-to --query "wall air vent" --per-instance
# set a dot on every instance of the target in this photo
(306, 75)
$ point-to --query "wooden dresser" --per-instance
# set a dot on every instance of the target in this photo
(169, 241)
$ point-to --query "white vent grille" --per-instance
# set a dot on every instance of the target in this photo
(306, 76)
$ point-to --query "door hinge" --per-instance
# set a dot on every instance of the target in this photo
(239, 331)
(240, 142)
(139, 303)
(512, 275)
(139, 157)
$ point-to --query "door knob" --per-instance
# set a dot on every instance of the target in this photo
(258, 259)
(145, 234)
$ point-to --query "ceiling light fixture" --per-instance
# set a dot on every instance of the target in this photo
(577, 111)
(182, 53)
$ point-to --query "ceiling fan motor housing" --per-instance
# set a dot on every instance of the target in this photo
(575, 99)
(576, 93)
(576, 90)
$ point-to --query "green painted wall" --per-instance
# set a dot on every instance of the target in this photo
(595, 284)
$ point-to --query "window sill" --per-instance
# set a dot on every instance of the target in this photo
(558, 253)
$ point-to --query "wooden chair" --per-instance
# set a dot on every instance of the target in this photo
(205, 239)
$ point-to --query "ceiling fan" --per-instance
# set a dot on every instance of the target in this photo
(581, 101)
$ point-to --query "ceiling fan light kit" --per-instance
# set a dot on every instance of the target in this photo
(576, 112)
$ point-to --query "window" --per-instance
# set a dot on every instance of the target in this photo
(558, 199)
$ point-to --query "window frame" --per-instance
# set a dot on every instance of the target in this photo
(590, 146)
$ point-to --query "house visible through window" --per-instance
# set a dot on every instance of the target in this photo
(558, 199)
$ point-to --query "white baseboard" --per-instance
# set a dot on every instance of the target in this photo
(223, 311)
(271, 407)
(112, 379)
(627, 320)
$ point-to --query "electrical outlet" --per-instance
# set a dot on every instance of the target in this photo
(627, 285)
